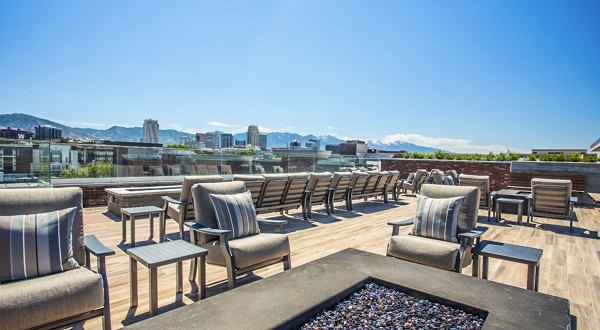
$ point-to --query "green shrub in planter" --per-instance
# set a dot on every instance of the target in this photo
(574, 158)
(590, 159)
(531, 157)
(490, 156)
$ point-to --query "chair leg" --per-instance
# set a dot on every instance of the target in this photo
(231, 277)
(287, 262)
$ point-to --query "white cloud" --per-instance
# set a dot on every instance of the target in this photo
(264, 129)
(219, 124)
(449, 144)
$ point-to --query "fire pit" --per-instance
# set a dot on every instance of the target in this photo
(292, 298)
(376, 306)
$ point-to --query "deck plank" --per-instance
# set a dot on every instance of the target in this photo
(570, 266)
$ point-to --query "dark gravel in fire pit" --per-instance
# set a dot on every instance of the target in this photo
(376, 306)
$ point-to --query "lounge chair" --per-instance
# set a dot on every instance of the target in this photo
(392, 184)
(483, 183)
(357, 185)
(190, 169)
(551, 198)
(294, 191)
(414, 185)
(239, 255)
(272, 193)
(183, 209)
(213, 170)
(201, 169)
(157, 170)
(454, 175)
(317, 192)
(254, 184)
(339, 189)
(62, 298)
(226, 170)
(441, 253)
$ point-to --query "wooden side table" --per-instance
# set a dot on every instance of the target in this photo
(521, 254)
(156, 255)
(133, 212)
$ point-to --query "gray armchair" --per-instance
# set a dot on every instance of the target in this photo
(239, 255)
(437, 253)
(482, 182)
(183, 209)
(63, 298)
(551, 198)
(415, 184)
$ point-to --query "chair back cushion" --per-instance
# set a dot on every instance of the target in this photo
(467, 215)
(43, 200)
(34, 245)
(438, 176)
(480, 181)
(449, 181)
(454, 175)
(437, 218)
(203, 208)
(236, 213)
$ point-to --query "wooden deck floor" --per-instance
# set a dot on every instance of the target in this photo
(570, 265)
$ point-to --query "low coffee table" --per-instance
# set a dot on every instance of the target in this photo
(519, 202)
(521, 254)
(133, 212)
(155, 255)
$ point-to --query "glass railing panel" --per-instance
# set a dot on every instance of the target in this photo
(24, 163)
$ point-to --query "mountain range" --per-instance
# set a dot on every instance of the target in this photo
(170, 136)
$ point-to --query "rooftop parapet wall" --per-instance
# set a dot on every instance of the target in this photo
(591, 171)
(499, 172)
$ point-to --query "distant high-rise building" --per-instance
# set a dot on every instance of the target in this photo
(201, 137)
(313, 144)
(227, 140)
(263, 141)
(253, 136)
(213, 140)
(46, 132)
(334, 148)
(150, 131)
(353, 147)
(15, 133)
(240, 143)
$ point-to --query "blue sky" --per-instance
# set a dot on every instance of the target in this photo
(459, 75)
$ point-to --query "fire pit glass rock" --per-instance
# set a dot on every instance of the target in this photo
(376, 306)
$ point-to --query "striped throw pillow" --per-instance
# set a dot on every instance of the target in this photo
(236, 213)
(437, 218)
(34, 245)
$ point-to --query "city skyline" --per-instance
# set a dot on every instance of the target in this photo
(466, 76)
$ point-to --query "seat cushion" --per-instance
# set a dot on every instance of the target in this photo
(236, 212)
(427, 251)
(36, 244)
(41, 300)
(437, 218)
(250, 250)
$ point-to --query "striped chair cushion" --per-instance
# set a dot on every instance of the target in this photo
(437, 218)
(236, 212)
(33, 245)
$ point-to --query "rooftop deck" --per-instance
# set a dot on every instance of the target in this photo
(570, 265)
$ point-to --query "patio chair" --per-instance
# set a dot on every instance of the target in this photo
(135, 170)
(183, 209)
(454, 175)
(338, 189)
(157, 170)
(212, 170)
(226, 170)
(358, 183)
(483, 183)
(174, 170)
(415, 184)
(437, 176)
(316, 192)
(551, 198)
(61, 298)
(240, 255)
(272, 193)
(254, 184)
(190, 169)
(294, 191)
(392, 184)
(439, 253)
(201, 169)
